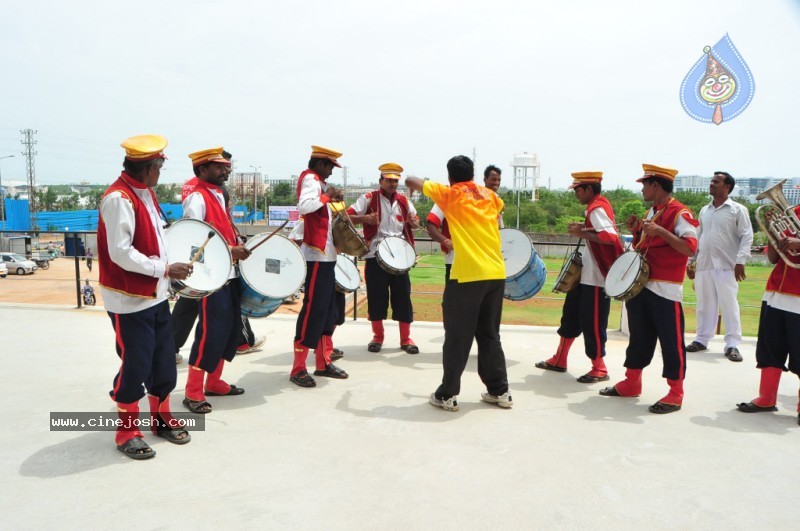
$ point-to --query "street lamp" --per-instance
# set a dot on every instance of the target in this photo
(3, 199)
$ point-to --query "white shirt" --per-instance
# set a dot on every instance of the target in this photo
(724, 236)
(439, 213)
(392, 221)
(120, 221)
(194, 207)
(670, 290)
(782, 301)
(590, 273)
(309, 202)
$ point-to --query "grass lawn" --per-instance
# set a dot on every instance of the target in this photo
(427, 284)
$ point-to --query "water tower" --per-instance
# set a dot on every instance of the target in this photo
(526, 173)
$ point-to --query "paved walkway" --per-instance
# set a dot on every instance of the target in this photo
(370, 452)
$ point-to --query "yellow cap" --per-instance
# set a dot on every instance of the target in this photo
(585, 177)
(144, 147)
(651, 170)
(319, 152)
(391, 170)
(209, 155)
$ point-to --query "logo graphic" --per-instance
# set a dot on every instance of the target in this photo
(719, 86)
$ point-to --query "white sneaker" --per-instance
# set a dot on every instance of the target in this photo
(448, 405)
(503, 400)
(260, 340)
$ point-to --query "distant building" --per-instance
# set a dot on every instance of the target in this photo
(746, 187)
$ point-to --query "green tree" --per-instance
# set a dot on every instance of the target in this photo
(47, 200)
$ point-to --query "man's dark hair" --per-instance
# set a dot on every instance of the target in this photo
(135, 168)
(596, 187)
(730, 182)
(491, 167)
(197, 168)
(313, 161)
(665, 184)
(460, 169)
(226, 155)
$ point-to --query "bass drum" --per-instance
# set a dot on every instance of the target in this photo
(274, 271)
(525, 271)
(627, 277)
(212, 270)
(395, 255)
(348, 278)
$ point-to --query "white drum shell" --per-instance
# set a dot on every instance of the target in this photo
(623, 273)
(210, 273)
(517, 249)
(275, 269)
(396, 254)
(348, 278)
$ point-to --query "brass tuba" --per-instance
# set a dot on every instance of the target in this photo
(778, 221)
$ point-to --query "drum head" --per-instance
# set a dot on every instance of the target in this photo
(347, 275)
(276, 269)
(211, 271)
(517, 251)
(623, 273)
(397, 253)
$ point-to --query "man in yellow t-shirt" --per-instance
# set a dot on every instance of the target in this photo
(473, 298)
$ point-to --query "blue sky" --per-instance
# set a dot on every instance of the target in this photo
(585, 85)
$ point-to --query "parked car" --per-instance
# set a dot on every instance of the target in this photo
(3, 270)
(18, 264)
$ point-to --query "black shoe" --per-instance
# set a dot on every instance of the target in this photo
(696, 347)
(332, 371)
(303, 379)
(733, 354)
(336, 355)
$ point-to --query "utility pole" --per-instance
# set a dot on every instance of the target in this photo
(30, 153)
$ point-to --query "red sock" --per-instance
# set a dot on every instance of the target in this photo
(194, 384)
(675, 395)
(768, 388)
(598, 368)
(560, 357)
(300, 355)
(215, 383)
(405, 334)
(322, 354)
(128, 414)
(377, 331)
(632, 384)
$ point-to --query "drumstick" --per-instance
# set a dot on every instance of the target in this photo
(196, 256)
(271, 234)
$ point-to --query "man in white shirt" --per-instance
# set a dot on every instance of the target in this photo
(134, 277)
(725, 236)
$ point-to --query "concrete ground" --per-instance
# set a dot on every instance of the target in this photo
(370, 452)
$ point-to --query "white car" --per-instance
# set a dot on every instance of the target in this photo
(17, 264)
(3, 270)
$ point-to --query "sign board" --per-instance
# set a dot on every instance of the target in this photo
(279, 214)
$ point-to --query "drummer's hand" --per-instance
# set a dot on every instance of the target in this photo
(652, 229)
(632, 222)
(690, 272)
(413, 222)
(179, 271)
(448, 245)
(371, 219)
(240, 252)
(334, 193)
(575, 229)
(789, 244)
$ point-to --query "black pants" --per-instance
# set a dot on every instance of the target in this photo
(447, 268)
(652, 318)
(184, 314)
(144, 345)
(339, 298)
(218, 328)
(318, 314)
(472, 310)
(585, 312)
(778, 337)
(382, 288)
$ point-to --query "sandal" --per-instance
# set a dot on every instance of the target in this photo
(332, 371)
(610, 391)
(410, 348)
(588, 378)
(749, 407)
(137, 449)
(232, 392)
(374, 347)
(546, 366)
(201, 407)
(662, 408)
(336, 355)
(180, 436)
(303, 379)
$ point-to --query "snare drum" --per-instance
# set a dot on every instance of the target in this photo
(211, 270)
(525, 271)
(395, 255)
(628, 276)
(346, 239)
(570, 275)
(274, 271)
(348, 278)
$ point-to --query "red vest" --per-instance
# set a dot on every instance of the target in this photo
(785, 279)
(666, 264)
(316, 224)
(604, 255)
(216, 215)
(188, 187)
(145, 240)
(375, 206)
